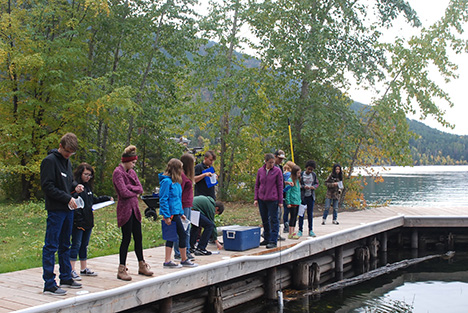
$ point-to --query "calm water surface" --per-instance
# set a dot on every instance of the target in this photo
(419, 186)
(436, 286)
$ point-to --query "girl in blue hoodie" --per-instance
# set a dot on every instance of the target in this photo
(170, 207)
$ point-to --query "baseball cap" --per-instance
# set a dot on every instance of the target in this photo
(280, 154)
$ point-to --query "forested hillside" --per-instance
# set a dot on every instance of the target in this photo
(433, 147)
(430, 146)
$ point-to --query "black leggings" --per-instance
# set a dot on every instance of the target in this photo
(133, 226)
(180, 233)
(293, 210)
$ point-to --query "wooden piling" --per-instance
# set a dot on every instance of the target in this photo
(300, 275)
(165, 305)
(270, 284)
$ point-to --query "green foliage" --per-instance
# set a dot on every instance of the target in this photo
(119, 73)
(23, 229)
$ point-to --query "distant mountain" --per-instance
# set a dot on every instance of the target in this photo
(432, 146)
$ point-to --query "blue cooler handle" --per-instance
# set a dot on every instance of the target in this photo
(231, 234)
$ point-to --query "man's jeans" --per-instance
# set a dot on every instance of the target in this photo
(207, 226)
(57, 238)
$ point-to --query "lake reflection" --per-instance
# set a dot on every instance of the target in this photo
(419, 186)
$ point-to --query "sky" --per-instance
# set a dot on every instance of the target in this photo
(429, 11)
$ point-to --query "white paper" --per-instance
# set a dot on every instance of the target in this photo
(302, 208)
(195, 217)
(98, 206)
(340, 184)
(186, 223)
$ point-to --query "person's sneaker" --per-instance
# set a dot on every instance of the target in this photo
(281, 238)
(293, 236)
(188, 263)
(87, 272)
(190, 256)
(286, 227)
(264, 243)
(55, 291)
(177, 256)
(70, 284)
(335, 222)
(299, 234)
(323, 222)
(200, 252)
(171, 264)
(75, 276)
(271, 245)
(191, 250)
(312, 234)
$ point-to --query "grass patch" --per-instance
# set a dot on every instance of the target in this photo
(22, 229)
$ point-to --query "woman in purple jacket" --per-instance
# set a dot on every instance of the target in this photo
(268, 196)
(128, 189)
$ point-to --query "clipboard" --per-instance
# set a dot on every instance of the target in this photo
(101, 205)
(169, 232)
(208, 180)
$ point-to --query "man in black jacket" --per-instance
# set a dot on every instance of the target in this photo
(57, 185)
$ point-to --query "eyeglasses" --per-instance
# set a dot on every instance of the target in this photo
(88, 175)
(69, 152)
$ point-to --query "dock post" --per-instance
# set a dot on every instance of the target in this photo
(414, 239)
(165, 305)
(339, 262)
(270, 285)
(383, 241)
(300, 275)
(215, 300)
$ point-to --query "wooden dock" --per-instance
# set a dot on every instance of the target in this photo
(22, 290)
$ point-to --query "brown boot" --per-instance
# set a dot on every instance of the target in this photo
(143, 269)
(122, 273)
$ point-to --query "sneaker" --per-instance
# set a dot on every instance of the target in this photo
(312, 234)
(87, 272)
(293, 236)
(281, 238)
(55, 291)
(286, 227)
(70, 284)
(264, 243)
(188, 263)
(191, 250)
(75, 276)
(271, 245)
(299, 233)
(202, 252)
(335, 222)
(190, 256)
(171, 264)
(178, 257)
(323, 222)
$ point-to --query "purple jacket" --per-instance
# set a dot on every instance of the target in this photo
(187, 192)
(269, 187)
(128, 188)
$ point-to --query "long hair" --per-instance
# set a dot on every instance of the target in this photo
(174, 170)
(340, 175)
(79, 172)
(295, 172)
(188, 162)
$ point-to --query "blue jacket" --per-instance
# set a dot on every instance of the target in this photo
(170, 197)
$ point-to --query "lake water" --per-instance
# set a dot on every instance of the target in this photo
(419, 186)
(431, 287)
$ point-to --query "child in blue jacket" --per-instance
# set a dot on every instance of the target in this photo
(170, 208)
